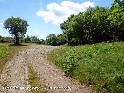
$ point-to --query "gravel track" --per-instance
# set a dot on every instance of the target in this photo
(15, 72)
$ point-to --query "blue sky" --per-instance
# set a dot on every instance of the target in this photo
(44, 16)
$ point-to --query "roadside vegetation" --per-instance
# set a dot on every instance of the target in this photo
(95, 55)
(7, 51)
(34, 81)
(4, 51)
(100, 65)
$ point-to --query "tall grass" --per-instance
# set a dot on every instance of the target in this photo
(99, 65)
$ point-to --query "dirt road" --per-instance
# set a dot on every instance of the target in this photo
(16, 72)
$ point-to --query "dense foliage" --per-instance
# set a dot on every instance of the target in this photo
(16, 27)
(34, 39)
(99, 65)
(95, 25)
(54, 40)
(26, 39)
(6, 39)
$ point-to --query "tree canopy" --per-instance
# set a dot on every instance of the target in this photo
(95, 25)
(16, 27)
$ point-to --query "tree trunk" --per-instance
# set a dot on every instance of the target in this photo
(17, 39)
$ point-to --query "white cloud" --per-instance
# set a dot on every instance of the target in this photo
(1, 23)
(87, 4)
(56, 13)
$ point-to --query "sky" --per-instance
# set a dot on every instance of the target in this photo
(44, 16)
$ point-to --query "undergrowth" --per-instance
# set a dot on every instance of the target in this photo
(100, 65)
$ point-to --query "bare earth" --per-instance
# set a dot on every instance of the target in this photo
(15, 73)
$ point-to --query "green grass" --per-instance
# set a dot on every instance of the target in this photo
(34, 81)
(4, 50)
(100, 65)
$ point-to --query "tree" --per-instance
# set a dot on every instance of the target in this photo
(117, 19)
(0, 36)
(28, 39)
(90, 26)
(16, 27)
(35, 39)
(51, 39)
(42, 41)
(61, 40)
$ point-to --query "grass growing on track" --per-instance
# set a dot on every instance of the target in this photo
(7, 51)
(34, 81)
(100, 65)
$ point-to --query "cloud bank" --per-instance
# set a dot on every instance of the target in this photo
(57, 13)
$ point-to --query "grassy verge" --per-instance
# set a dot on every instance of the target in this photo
(34, 81)
(7, 51)
(99, 65)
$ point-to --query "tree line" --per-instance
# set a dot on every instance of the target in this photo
(94, 25)
(17, 27)
(24, 39)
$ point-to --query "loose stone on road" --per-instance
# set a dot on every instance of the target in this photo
(16, 72)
